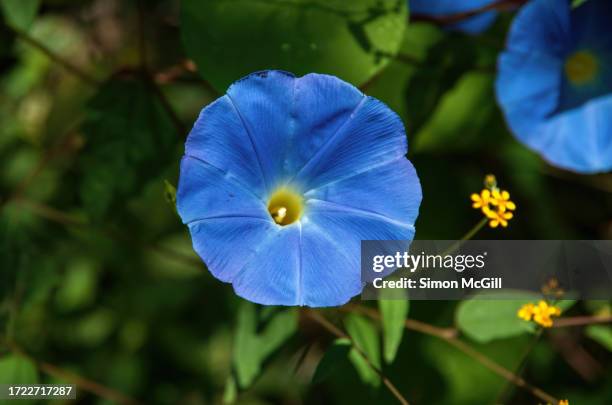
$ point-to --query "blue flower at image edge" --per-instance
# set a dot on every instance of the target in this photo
(442, 8)
(555, 82)
(283, 177)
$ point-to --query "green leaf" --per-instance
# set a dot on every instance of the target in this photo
(332, 359)
(445, 63)
(129, 138)
(170, 193)
(16, 370)
(493, 315)
(365, 336)
(246, 357)
(252, 348)
(393, 314)
(565, 304)
(349, 39)
(280, 327)
(461, 380)
(78, 286)
(578, 3)
(230, 392)
(20, 13)
(602, 334)
(460, 116)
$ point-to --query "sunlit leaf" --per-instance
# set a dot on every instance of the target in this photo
(170, 193)
(493, 315)
(602, 334)
(17, 370)
(365, 337)
(350, 39)
(230, 393)
(393, 314)
(460, 116)
(20, 13)
(256, 340)
(466, 381)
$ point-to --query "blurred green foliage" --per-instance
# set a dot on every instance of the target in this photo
(97, 274)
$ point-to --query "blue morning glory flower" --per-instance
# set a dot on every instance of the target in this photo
(555, 82)
(283, 177)
(441, 8)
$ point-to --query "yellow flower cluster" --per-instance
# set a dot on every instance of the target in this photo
(494, 203)
(564, 402)
(541, 314)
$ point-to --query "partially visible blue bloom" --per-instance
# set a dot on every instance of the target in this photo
(555, 82)
(441, 8)
(283, 177)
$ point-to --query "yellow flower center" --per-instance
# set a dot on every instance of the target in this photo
(285, 206)
(581, 67)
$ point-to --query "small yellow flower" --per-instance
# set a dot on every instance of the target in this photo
(564, 402)
(501, 199)
(541, 314)
(526, 312)
(498, 217)
(494, 203)
(481, 200)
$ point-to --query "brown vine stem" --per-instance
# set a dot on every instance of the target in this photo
(334, 330)
(181, 129)
(25, 37)
(500, 5)
(148, 77)
(83, 383)
(520, 368)
(185, 71)
(452, 339)
(581, 320)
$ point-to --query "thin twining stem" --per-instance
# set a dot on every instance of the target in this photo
(581, 321)
(499, 5)
(334, 330)
(452, 339)
(522, 364)
(469, 235)
(25, 37)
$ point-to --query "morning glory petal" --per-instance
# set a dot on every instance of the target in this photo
(586, 154)
(371, 136)
(323, 105)
(396, 181)
(323, 255)
(272, 276)
(529, 88)
(331, 242)
(351, 225)
(305, 162)
(442, 8)
(227, 244)
(555, 82)
(531, 33)
(269, 123)
(206, 192)
(220, 138)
